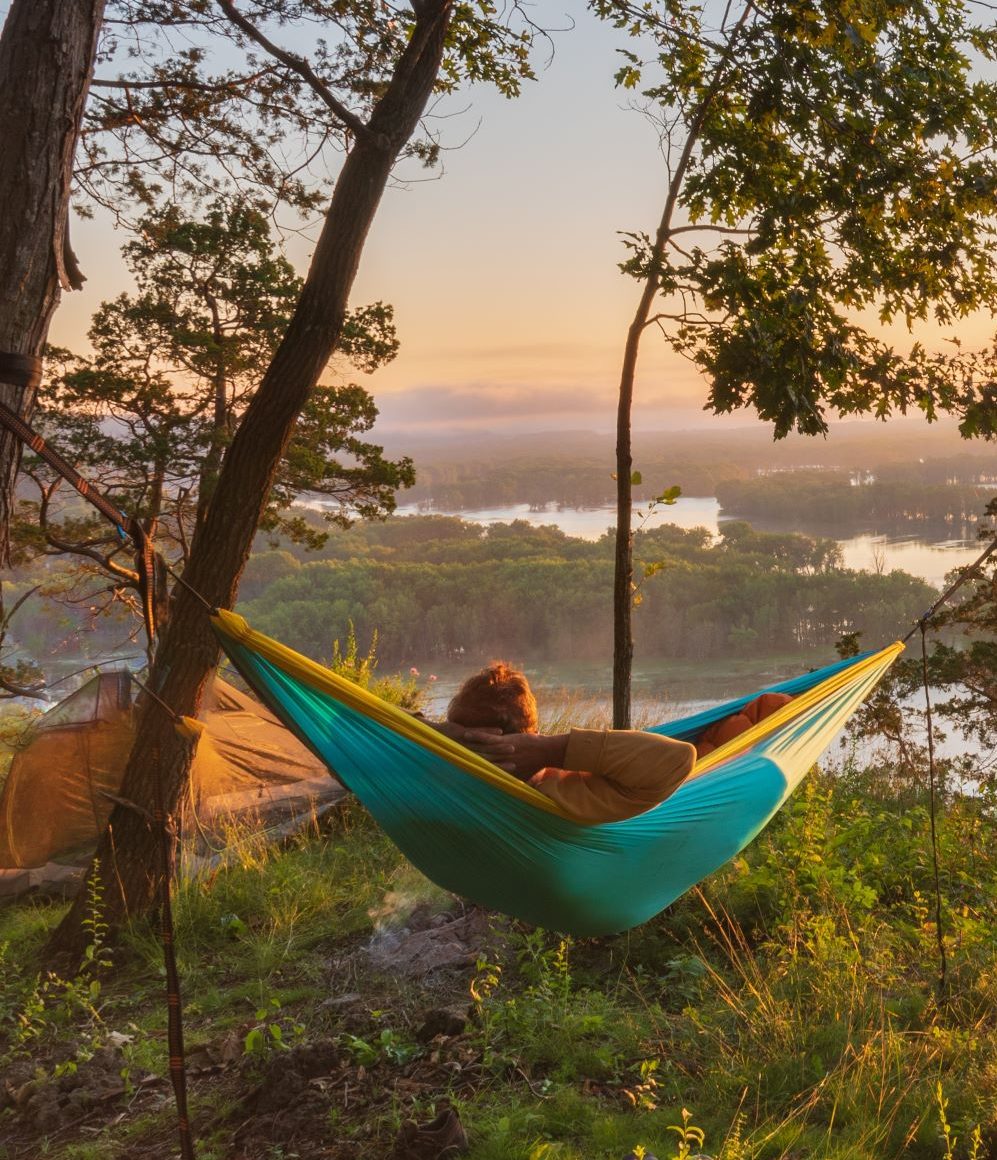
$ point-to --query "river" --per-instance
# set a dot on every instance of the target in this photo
(930, 560)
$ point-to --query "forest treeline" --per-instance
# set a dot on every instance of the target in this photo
(438, 587)
(553, 480)
(843, 500)
(488, 473)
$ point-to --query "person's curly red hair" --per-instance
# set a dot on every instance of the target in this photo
(498, 696)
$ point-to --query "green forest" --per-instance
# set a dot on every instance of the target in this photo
(834, 499)
(438, 587)
(906, 482)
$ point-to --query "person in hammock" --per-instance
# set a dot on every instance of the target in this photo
(594, 775)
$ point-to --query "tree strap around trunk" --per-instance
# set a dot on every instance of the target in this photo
(20, 370)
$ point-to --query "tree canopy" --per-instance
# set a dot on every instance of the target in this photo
(195, 97)
(149, 414)
(840, 172)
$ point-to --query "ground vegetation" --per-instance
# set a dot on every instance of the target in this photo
(788, 1007)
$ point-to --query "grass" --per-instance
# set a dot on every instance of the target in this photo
(791, 1004)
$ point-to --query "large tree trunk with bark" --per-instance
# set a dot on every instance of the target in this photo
(159, 764)
(47, 52)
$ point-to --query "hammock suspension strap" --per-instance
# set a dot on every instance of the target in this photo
(965, 573)
(933, 810)
(20, 370)
(174, 1009)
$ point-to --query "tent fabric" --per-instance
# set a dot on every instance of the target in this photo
(55, 800)
(483, 834)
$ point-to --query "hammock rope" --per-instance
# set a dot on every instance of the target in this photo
(933, 808)
(965, 573)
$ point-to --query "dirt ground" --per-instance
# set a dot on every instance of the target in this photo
(315, 1099)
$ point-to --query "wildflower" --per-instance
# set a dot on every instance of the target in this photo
(413, 671)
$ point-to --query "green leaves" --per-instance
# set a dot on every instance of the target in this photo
(842, 164)
(174, 366)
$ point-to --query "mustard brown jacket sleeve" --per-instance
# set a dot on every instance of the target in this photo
(614, 774)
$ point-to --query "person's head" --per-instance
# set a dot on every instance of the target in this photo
(498, 696)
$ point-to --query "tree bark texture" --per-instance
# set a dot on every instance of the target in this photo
(159, 764)
(47, 52)
(623, 588)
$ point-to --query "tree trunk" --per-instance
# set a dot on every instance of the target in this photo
(125, 860)
(47, 51)
(623, 641)
(221, 419)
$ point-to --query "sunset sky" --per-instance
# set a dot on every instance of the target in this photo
(503, 268)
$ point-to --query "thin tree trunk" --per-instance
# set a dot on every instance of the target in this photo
(623, 641)
(221, 419)
(47, 52)
(125, 857)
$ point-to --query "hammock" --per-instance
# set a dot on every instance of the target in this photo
(481, 833)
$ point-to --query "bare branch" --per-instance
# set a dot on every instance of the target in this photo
(696, 229)
(301, 67)
(176, 83)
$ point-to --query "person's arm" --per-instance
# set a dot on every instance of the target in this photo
(608, 775)
(594, 775)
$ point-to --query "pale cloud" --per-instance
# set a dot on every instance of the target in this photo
(525, 407)
(474, 403)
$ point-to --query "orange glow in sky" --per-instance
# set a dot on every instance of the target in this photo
(503, 269)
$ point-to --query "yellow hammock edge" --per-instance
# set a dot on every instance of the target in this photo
(310, 673)
(873, 667)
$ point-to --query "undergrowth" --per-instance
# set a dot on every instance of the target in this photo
(791, 1007)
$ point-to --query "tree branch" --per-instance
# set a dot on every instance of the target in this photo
(301, 67)
(175, 83)
(707, 228)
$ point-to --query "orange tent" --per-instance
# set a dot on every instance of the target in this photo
(59, 792)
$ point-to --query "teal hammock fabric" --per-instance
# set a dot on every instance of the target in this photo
(476, 837)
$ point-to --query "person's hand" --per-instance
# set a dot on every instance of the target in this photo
(485, 740)
(521, 754)
(459, 732)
